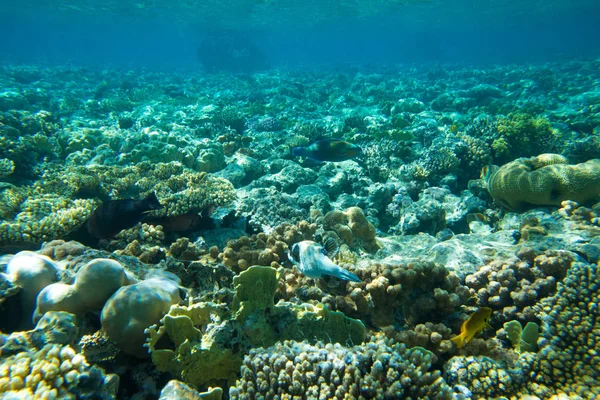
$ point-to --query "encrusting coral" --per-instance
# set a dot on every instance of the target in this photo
(209, 341)
(543, 180)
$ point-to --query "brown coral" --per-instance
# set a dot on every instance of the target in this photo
(544, 180)
(352, 228)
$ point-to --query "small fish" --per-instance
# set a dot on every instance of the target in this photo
(328, 150)
(111, 217)
(477, 217)
(487, 171)
(313, 260)
(472, 326)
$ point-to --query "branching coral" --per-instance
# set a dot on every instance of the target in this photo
(415, 292)
(265, 249)
(566, 363)
(523, 135)
(378, 369)
(48, 210)
(514, 286)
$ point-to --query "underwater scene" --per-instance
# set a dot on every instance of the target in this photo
(289, 200)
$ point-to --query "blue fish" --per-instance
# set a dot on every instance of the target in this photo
(328, 150)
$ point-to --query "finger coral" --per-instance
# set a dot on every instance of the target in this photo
(379, 369)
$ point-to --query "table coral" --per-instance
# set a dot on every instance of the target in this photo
(543, 180)
(30, 216)
(50, 208)
(377, 369)
(179, 189)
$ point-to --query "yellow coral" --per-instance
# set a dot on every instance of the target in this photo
(544, 180)
(50, 373)
(352, 227)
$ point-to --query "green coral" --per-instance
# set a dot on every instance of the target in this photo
(523, 339)
(196, 355)
(255, 290)
(30, 217)
(543, 180)
(209, 341)
(179, 189)
(63, 199)
(522, 135)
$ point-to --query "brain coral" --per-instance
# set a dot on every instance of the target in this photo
(378, 369)
(544, 180)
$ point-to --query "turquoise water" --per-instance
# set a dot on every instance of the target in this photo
(152, 34)
(385, 199)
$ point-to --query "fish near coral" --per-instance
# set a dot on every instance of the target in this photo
(472, 326)
(328, 150)
(313, 260)
(111, 217)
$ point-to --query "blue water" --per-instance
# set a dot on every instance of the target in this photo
(147, 34)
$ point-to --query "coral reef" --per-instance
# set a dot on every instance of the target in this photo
(544, 180)
(131, 309)
(42, 364)
(352, 228)
(377, 369)
(513, 287)
(208, 343)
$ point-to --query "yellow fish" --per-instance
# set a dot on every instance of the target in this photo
(472, 326)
